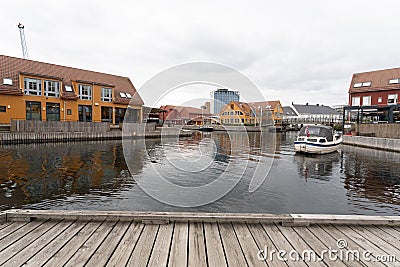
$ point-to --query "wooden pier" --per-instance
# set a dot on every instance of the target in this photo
(93, 238)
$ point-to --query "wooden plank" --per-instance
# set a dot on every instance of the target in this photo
(197, 248)
(88, 248)
(329, 235)
(4, 225)
(20, 230)
(64, 254)
(376, 240)
(121, 255)
(248, 245)
(390, 231)
(281, 243)
(106, 249)
(28, 252)
(233, 251)
(141, 254)
(300, 245)
(314, 242)
(354, 241)
(265, 244)
(27, 239)
(55, 245)
(215, 250)
(11, 229)
(179, 246)
(345, 219)
(160, 253)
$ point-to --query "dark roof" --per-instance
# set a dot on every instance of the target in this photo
(288, 111)
(314, 109)
(11, 67)
(379, 80)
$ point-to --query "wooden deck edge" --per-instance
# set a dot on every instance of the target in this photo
(145, 217)
(166, 217)
(304, 219)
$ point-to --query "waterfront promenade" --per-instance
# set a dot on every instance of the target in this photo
(93, 238)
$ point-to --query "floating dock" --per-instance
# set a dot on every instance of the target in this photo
(96, 238)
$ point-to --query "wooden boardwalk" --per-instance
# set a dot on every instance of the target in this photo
(98, 239)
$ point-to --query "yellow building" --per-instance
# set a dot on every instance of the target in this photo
(32, 90)
(268, 112)
(237, 113)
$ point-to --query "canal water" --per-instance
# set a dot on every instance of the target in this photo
(95, 176)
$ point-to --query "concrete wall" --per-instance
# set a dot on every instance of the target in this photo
(373, 142)
(382, 130)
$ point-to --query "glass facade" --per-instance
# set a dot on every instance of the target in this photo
(222, 97)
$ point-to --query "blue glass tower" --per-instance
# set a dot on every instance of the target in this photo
(221, 97)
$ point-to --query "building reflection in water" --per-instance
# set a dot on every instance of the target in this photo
(371, 174)
(31, 173)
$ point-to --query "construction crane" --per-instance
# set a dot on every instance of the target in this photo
(23, 42)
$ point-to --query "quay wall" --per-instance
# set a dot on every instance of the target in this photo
(381, 130)
(389, 144)
(132, 130)
(23, 126)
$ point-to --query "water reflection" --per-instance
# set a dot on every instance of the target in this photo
(94, 175)
(31, 173)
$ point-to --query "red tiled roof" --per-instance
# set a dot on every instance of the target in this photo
(11, 67)
(273, 104)
(379, 80)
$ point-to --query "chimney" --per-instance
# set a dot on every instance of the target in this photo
(306, 104)
(317, 105)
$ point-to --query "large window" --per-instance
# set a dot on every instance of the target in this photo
(85, 113)
(355, 101)
(106, 94)
(3, 109)
(33, 111)
(52, 88)
(32, 86)
(85, 92)
(52, 111)
(106, 114)
(392, 99)
(366, 101)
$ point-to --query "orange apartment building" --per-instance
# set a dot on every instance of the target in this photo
(32, 90)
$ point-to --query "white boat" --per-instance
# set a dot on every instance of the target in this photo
(317, 139)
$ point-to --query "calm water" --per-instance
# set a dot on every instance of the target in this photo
(95, 176)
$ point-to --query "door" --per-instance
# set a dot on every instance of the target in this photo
(106, 114)
(119, 115)
(52, 111)
(33, 111)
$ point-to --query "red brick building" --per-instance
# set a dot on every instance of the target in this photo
(375, 88)
(374, 97)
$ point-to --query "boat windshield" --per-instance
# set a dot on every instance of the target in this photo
(317, 131)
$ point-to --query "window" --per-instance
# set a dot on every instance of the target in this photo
(85, 92)
(69, 111)
(121, 94)
(33, 86)
(366, 84)
(3, 109)
(52, 111)
(366, 100)
(106, 94)
(379, 99)
(7, 81)
(355, 101)
(393, 81)
(357, 85)
(68, 88)
(85, 113)
(392, 99)
(128, 95)
(106, 114)
(51, 88)
(33, 111)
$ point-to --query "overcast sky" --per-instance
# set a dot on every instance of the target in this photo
(295, 51)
